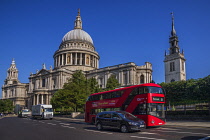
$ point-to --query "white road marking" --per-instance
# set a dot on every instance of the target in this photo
(51, 123)
(146, 138)
(169, 128)
(186, 132)
(147, 133)
(68, 126)
(97, 131)
(65, 123)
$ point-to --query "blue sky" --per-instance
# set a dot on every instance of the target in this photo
(122, 30)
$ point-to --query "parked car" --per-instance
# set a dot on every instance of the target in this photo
(119, 119)
(24, 113)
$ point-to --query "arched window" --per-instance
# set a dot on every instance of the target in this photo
(87, 60)
(68, 59)
(142, 79)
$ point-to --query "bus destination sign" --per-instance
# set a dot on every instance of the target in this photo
(158, 99)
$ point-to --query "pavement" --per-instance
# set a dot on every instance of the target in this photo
(204, 124)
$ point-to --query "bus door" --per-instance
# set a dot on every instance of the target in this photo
(87, 117)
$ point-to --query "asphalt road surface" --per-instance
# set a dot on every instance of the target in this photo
(14, 128)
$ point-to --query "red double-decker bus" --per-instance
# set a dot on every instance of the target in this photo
(146, 101)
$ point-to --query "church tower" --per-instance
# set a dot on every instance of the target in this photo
(12, 74)
(174, 61)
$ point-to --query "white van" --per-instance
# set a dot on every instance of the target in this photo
(42, 111)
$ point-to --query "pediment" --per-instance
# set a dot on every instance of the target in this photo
(43, 72)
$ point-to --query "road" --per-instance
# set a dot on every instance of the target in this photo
(14, 128)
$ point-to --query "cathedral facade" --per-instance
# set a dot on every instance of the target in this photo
(76, 52)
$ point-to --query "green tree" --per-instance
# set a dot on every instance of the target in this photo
(112, 83)
(6, 106)
(93, 86)
(188, 92)
(75, 92)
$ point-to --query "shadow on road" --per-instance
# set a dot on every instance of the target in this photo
(192, 138)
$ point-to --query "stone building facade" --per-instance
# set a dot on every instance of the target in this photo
(13, 89)
(77, 52)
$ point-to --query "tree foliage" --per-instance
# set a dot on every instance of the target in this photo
(93, 86)
(75, 92)
(112, 83)
(188, 92)
(6, 106)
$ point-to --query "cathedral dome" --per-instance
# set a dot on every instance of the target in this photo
(76, 51)
(77, 34)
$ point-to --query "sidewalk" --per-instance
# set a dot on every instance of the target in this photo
(204, 124)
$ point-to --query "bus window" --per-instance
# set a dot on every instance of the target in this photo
(146, 90)
(106, 96)
(156, 109)
(155, 90)
(140, 109)
(134, 92)
(96, 97)
(93, 112)
(143, 90)
(114, 94)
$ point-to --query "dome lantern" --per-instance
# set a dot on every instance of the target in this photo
(78, 21)
(77, 33)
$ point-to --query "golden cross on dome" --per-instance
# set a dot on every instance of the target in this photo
(78, 12)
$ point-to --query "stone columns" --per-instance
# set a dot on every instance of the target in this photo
(37, 98)
(62, 56)
(58, 60)
(128, 77)
(34, 99)
(66, 59)
(41, 98)
(71, 59)
(85, 59)
(47, 100)
(75, 61)
(80, 62)
(119, 77)
(131, 76)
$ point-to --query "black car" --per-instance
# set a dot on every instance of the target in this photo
(119, 119)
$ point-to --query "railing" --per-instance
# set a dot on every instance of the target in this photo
(113, 67)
